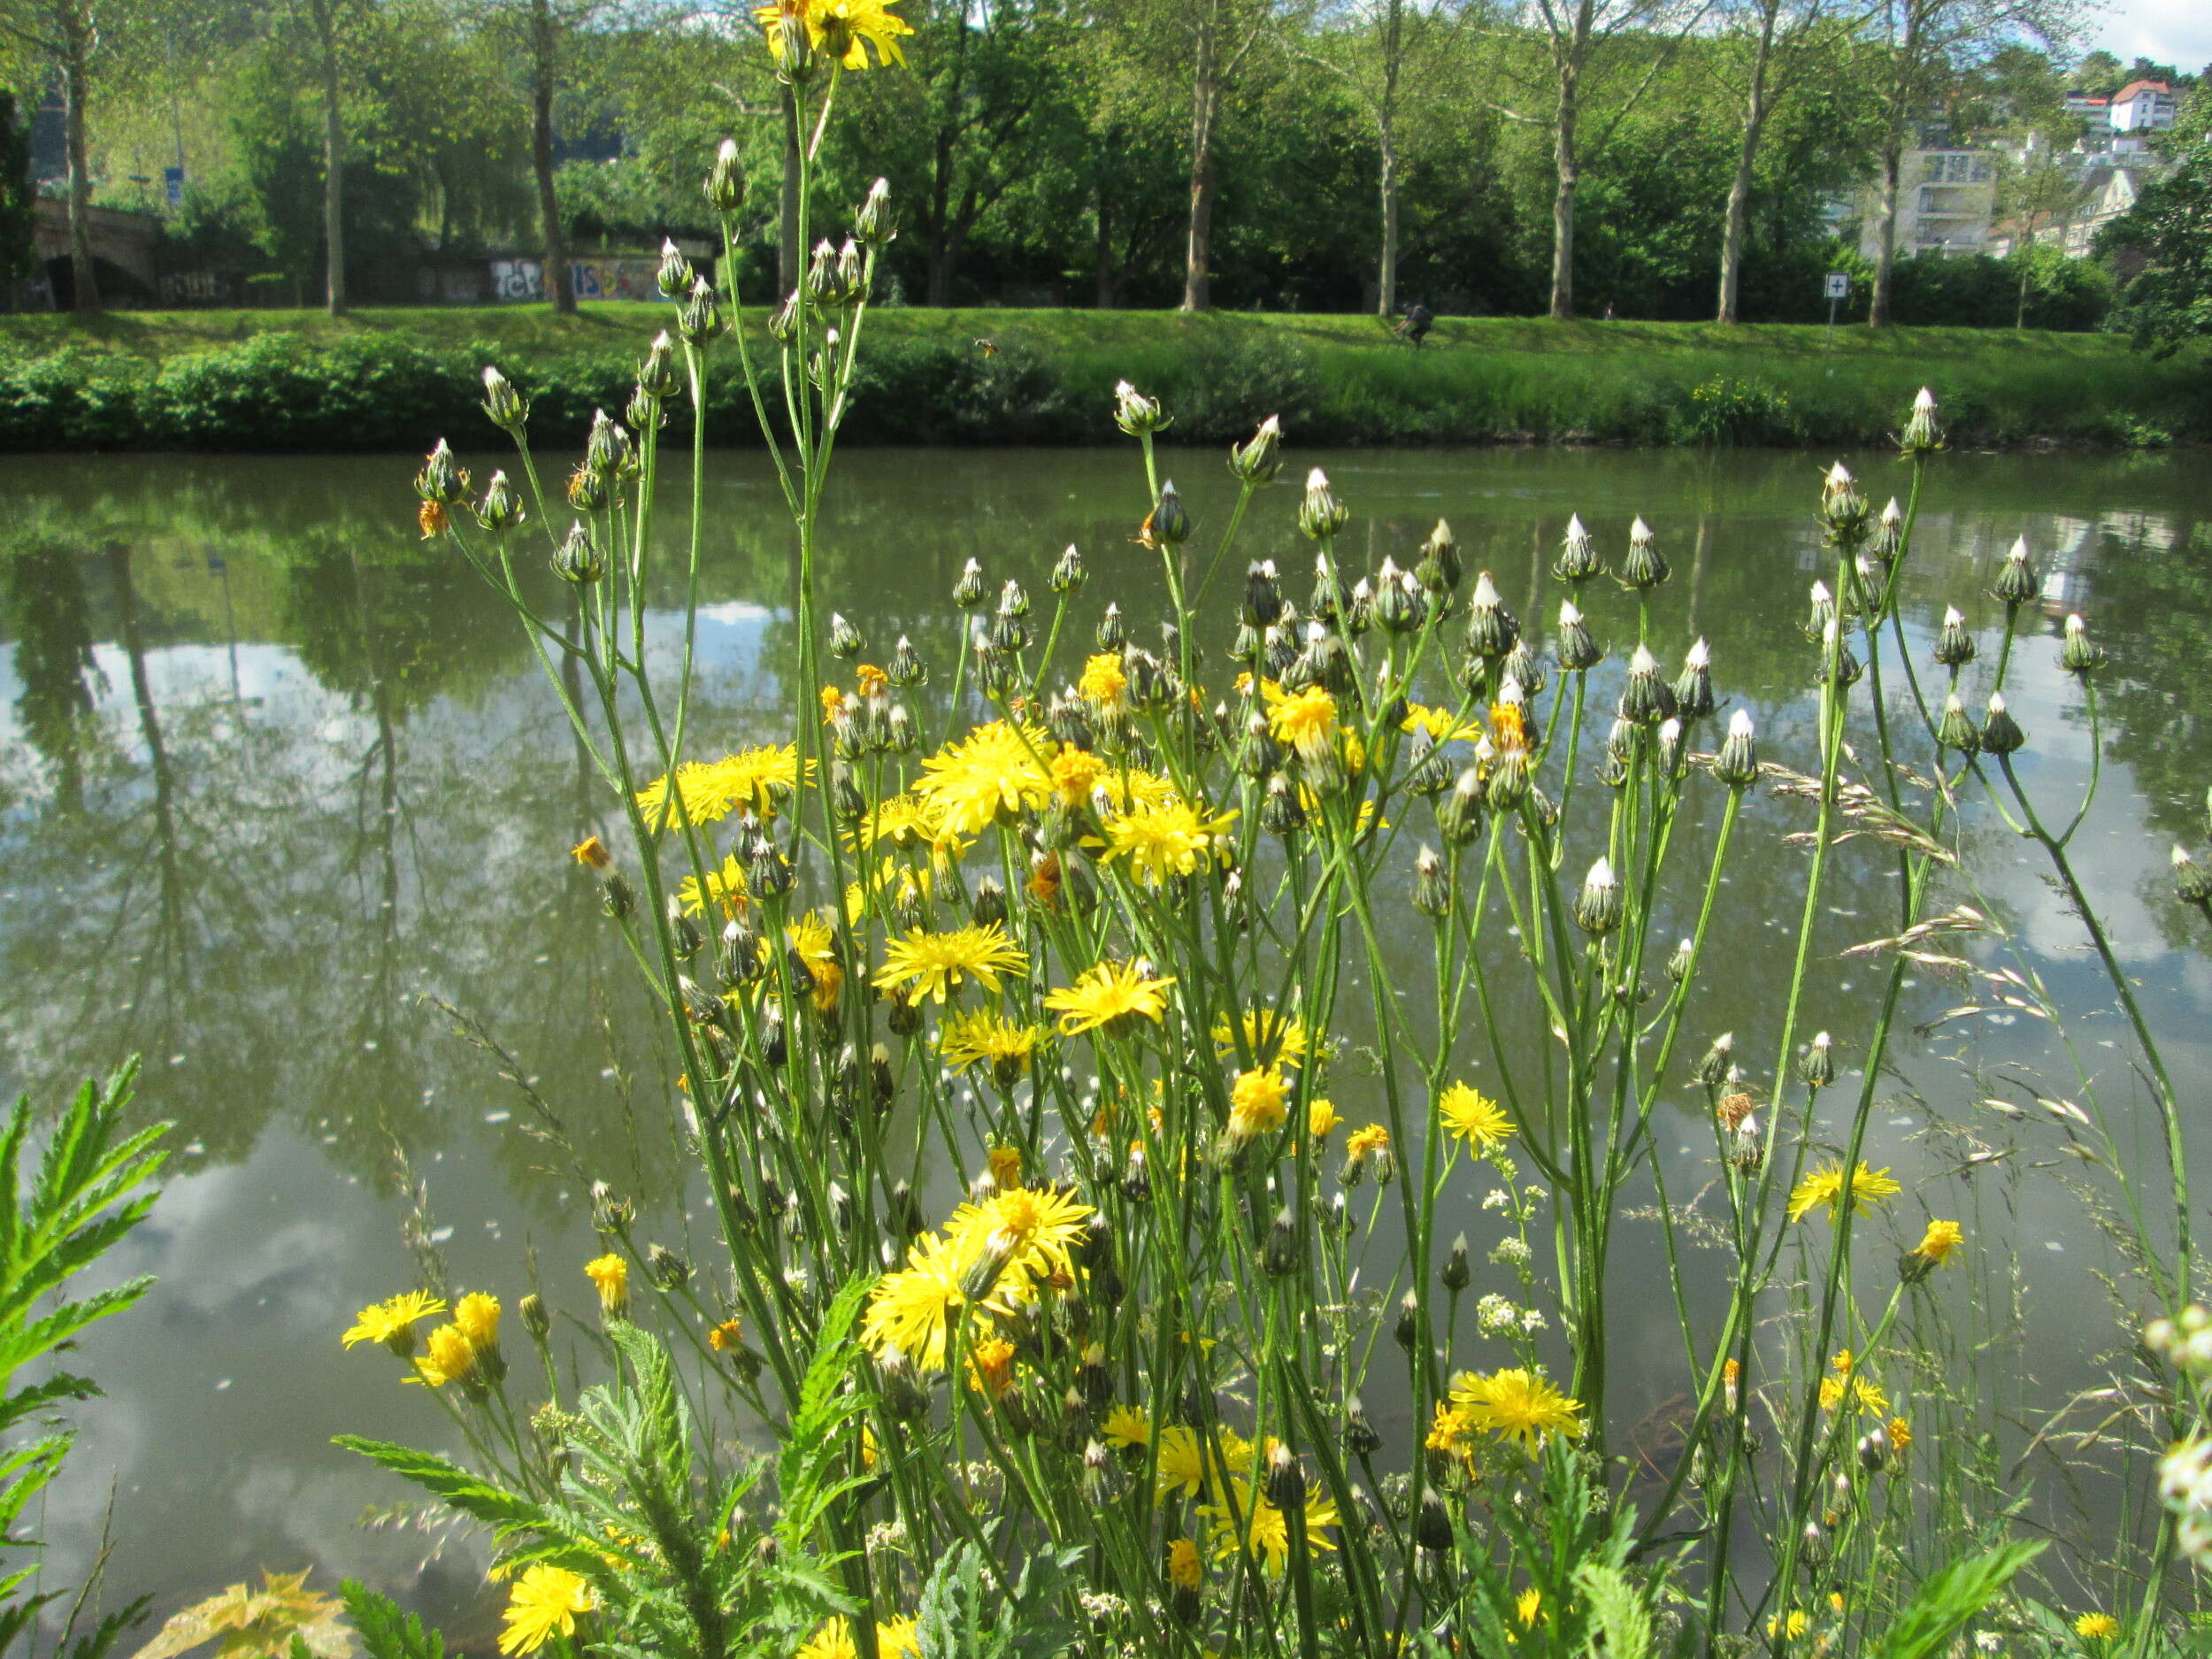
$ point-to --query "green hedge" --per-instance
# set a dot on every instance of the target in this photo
(282, 393)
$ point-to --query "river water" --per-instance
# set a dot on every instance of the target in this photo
(276, 782)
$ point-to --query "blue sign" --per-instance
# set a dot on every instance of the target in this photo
(172, 184)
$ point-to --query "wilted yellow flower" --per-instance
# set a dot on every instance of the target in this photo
(1075, 773)
(991, 1367)
(592, 853)
(1321, 1117)
(1824, 1187)
(871, 681)
(1366, 1140)
(725, 1336)
(545, 1600)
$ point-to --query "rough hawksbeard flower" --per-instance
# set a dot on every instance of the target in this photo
(545, 1600)
(1166, 840)
(1110, 995)
(935, 965)
(1474, 1117)
(1824, 1187)
(392, 1321)
(1517, 1405)
(856, 23)
(995, 770)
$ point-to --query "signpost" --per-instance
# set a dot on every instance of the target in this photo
(1839, 290)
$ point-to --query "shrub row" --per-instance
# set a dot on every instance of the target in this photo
(280, 393)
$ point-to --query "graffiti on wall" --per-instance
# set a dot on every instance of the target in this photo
(595, 279)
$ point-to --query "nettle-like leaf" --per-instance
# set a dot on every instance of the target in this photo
(1927, 1624)
(506, 1512)
(964, 1613)
(271, 1623)
(386, 1632)
(808, 1470)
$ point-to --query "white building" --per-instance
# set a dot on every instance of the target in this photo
(2144, 106)
(1945, 202)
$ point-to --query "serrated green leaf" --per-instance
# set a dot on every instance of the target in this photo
(1951, 1596)
(504, 1511)
(1616, 1610)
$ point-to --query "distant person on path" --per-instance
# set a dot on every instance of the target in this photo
(1418, 320)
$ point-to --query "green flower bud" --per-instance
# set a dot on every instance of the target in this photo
(1321, 515)
(1575, 648)
(968, 591)
(1492, 630)
(1955, 730)
(1693, 690)
(1737, 764)
(2000, 732)
(1647, 699)
(441, 480)
(675, 276)
(1577, 560)
(1169, 523)
(1068, 574)
(1257, 460)
(578, 559)
(876, 223)
(2079, 655)
(501, 508)
(2015, 582)
(507, 408)
(1645, 567)
(1136, 414)
(1598, 906)
(1922, 435)
(1955, 646)
(724, 184)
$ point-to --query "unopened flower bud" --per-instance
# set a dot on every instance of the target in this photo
(1285, 1481)
(1678, 965)
(1459, 814)
(2079, 654)
(1737, 764)
(1711, 1069)
(724, 183)
(1817, 1065)
(1577, 560)
(2015, 582)
(1647, 699)
(876, 223)
(1321, 515)
(1598, 906)
(1955, 645)
(1922, 435)
(1068, 573)
(578, 558)
(1407, 1330)
(699, 320)
(1694, 689)
(1170, 523)
(844, 639)
(1136, 414)
(1259, 458)
(657, 376)
(1492, 630)
(1280, 1255)
(501, 508)
(1956, 730)
(675, 276)
(1440, 569)
(2192, 882)
(1432, 884)
(507, 408)
(2000, 732)
(1455, 1273)
(1575, 648)
(1645, 567)
(670, 1271)
(441, 480)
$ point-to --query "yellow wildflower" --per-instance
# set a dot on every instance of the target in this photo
(477, 1316)
(1246, 1521)
(1126, 1426)
(545, 1600)
(1105, 684)
(966, 1040)
(1305, 720)
(1824, 1187)
(936, 964)
(1517, 1405)
(1257, 1103)
(725, 1336)
(725, 889)
(708, 790)
(995, 772)
(1166, 840)
(592, 853)
(392, 1321)
(1321, 1117)
(1075, 773)
(1937, 1243)
(1475, 1118)
(1370, 1138)
(1271, 1037)
(1185, 1569)
(448, 1356)
(847, 26)
(2098, 1627)
(609, 1275)
(1110, 995)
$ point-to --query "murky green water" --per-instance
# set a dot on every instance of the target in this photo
(273, 777)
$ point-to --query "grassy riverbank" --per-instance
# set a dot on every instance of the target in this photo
(391, 378)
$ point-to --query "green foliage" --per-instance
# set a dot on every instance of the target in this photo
(17, 198)
(967, 1612)
(283, 1619)
(1928, 1623)
(1727, 411)
(92, 1186)
(386, 1632)
(2168, 302)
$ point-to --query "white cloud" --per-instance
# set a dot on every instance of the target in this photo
(2176, 32)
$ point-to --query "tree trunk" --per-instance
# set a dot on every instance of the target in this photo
(1392, 55)
(788, 253)
(1885, 246)
(1205, 103)
(84, 281)
(1755, 120)
(560, 285)
(334, 163)
(1562, 204)
(1386, 269)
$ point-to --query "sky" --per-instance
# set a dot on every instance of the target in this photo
(2176, 32)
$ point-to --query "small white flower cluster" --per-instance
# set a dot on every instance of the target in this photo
(886, 1535)
(1511, 1251)
(1497, 1198)
(1494, 1315)
(2185, 1486)
(1102, 1605)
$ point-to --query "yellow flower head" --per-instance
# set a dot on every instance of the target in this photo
(991, 1367)
(1517, 1405)
(592, 853)
(995, 771)
(1509, 727)
(1075, 773)
(1184, 1571)
(1271, 1038)
(1528, 1607)
(1823, 1187)
(1900, 1436)
(937, 964)
(1866, 1396)
(873, 681)
(725, 1336)
(609, 1275)
(1006, 1165)
(1452, 1432)
(1181, 1465)
(911, 1311)
(1031, 1228)
(1799, 1622)
(2099, 1627)
(840, 27)
(477, 1316)
(1257, 1103)
(1112, 996)
(543, 1600)
(896, 1639)
(832, 704)
(1105, 684)
(1440, 724)
(448, 1356)
(1246, 1521)
(1937, 1243)
(832, 1639)
(1366, 1140)
(392, 1321)
(1475, 1118)
(1126, 1426)
(1305, 720)
(815, 942)
(1321, 1117)
(706, 791)
(725, 890)
(1167, 839)
(985, 1038)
